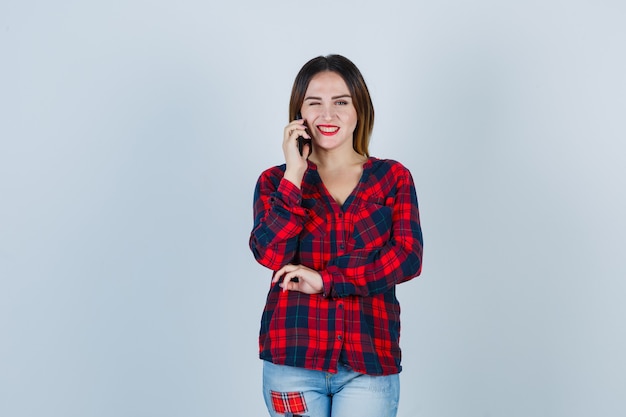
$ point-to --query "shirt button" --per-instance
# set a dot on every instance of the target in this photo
(342, 246)
(340, 215)
(339, 337)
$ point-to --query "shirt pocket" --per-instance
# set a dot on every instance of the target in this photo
(313, 233)
(372, 224)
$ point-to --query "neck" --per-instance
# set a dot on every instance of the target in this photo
(333, 160)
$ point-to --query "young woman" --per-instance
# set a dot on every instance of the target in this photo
(340, 230)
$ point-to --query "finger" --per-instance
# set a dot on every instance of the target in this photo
(296, 133)
(291, 281)
(306, 149)
(285, 284)
(278, 274)
(275, 277)
(296, 126)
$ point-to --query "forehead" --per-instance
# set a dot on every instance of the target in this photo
(327, 82)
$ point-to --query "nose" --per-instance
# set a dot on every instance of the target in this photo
(327, 113)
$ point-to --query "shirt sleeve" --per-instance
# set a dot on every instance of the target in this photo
(372, 271)
(278, 220)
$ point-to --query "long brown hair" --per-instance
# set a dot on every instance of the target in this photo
(356, 85)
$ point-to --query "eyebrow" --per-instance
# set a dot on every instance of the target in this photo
(334, 98)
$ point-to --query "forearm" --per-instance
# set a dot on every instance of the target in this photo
(278, 221)
(368, 272)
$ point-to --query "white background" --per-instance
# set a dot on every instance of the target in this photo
(132, 134)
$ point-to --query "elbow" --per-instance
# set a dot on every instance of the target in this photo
(416, 254)
(269, 262)
(412, 265)
(267, 258)
(417, 249)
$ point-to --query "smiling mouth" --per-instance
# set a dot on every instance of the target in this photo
(328, 130)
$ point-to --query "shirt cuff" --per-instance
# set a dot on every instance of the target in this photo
(291, 193)
(289, 197)
(327, 282)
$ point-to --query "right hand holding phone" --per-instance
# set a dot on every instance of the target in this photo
(296, 162)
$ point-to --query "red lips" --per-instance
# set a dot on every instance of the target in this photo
(328, 130)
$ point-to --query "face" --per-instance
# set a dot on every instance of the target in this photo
(329, 111)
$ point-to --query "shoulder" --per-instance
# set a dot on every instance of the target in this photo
(382, 168)
(273, 174)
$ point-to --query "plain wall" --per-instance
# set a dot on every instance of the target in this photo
(132, 134)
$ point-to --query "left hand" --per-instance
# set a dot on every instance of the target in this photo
(309, 280)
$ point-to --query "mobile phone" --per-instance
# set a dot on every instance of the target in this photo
(302, 140)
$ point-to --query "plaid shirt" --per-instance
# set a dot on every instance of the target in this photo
(362, 250)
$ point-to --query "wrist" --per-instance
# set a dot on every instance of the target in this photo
(294, 176)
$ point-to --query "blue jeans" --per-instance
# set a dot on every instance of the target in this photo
(293, 392)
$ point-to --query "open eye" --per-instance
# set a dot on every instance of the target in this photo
(342, 103)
